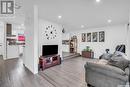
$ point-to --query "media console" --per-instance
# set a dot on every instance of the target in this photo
(49, 61)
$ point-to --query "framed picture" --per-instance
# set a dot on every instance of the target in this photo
(88, 37)
(94, 36)
(101, 36)
(83, 37)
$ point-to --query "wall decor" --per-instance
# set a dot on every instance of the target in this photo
(50, 32)
(83, 37)
(94, 36)
(101, 36)
(65, 42)
(88, 37)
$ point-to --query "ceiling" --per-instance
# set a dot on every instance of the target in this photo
(78, 12)
(84, 12)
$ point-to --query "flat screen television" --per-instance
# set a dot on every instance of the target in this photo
(49, 50)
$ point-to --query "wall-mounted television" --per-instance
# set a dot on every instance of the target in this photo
(49, 50)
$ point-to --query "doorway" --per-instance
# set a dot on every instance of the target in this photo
(72, 48)
(15, 40)
(73, 44)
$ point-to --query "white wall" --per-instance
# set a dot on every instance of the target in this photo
(65, 36)
(128, 42)
(128, 38)
(2, 32)
(114, 35)
(31, 35)
(44, 41)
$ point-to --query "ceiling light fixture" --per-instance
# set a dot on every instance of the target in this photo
(59, 16)
(22, 24)
(82, 26)
(109, 21)
(98, 1)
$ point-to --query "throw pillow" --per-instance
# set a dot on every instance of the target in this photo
(118, 53)
(106, 56)
(119, 62)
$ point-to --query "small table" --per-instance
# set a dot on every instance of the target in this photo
(87, 54)
(49, 61)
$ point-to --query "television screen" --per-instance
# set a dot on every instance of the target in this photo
(49, 50)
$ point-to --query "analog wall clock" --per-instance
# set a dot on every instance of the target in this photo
(50, 32)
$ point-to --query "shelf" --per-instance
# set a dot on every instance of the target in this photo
(73, 44)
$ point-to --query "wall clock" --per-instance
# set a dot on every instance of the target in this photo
(50, 32)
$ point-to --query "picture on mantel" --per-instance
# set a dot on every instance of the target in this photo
(101, 36)
(83, 37)
(88, 37)
(94, 36)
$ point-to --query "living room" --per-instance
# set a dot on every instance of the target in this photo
(68, 43)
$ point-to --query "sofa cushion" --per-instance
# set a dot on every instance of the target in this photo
(106, 56)
(118, 53)
(119, 62)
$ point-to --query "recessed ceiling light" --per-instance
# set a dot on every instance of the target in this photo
(22, 24)
(98, 0)
(59, 16)
(82, 26)
(109, 21)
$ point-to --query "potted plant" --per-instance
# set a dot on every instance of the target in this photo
(88, 49)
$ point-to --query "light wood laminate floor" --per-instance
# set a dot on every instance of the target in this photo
(70, 73)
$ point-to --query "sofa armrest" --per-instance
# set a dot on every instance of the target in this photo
(104, 68)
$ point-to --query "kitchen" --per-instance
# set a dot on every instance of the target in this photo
(12, 40)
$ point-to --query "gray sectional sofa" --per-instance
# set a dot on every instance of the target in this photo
(113, 71)
(99, 75)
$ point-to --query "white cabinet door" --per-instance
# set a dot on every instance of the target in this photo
(12, 51)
